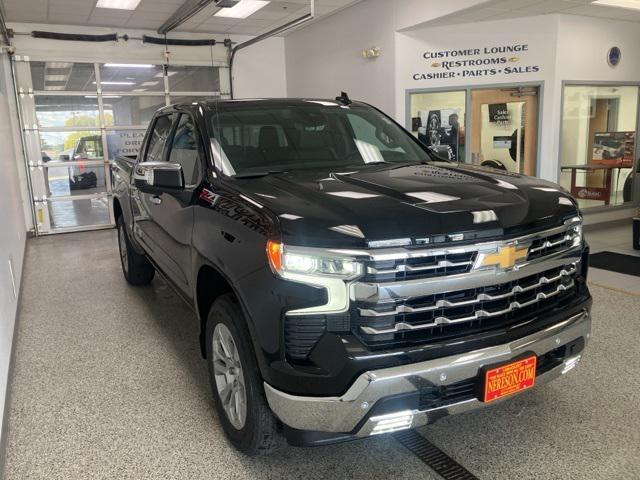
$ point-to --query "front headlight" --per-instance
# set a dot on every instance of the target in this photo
(575, 232)
(319, 268)
(298, 260)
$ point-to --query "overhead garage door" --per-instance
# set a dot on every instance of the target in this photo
(76, 117)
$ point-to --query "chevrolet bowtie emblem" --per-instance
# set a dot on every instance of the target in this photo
(506, 257)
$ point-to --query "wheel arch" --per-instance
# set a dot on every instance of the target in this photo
(117, 209)
(210, 283)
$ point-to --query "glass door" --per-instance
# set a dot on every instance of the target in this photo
(505, 128)
(76, 117)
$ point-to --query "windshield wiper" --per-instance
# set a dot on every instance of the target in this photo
(258, 174)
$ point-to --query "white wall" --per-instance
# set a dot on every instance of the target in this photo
(412, 13)
(12, 222)
(259, 70)
(325, 58)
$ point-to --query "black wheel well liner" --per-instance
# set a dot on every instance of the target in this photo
(117, 209)
(210, 284)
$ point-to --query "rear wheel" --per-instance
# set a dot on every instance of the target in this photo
(236, 383)
(136, 268)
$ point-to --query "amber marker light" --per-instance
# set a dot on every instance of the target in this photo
(274, 254)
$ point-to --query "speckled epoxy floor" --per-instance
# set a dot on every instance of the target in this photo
(109, 383)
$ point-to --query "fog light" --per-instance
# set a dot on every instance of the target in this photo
(392, 422)
(571, 363)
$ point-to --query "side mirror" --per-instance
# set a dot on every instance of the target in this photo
(158, 177)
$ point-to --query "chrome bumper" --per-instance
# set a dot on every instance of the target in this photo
(345, 413)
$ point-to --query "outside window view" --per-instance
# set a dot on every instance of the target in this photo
(599, 143)
(78, 138)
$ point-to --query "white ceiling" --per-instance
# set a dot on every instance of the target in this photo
(504, 9)
(150, 14)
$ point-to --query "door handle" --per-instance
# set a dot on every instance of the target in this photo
(156, 199)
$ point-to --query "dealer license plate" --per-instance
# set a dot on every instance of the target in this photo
(510, 378)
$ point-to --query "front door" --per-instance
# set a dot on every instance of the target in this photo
(169, 226)
(505, 128)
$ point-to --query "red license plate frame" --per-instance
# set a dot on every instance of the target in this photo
(508, 378)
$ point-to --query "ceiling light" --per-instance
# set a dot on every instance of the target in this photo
(55, 78)
(116, 83)
(129, 65)
(243, 9)
(59, 65)
(629, 4)
(104, 96)
(118, 4)
(149, 84)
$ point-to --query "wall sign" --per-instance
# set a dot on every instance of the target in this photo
(614, 55)
(498, 113)
(126, 142)
(476, 62)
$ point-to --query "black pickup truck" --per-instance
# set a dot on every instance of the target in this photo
(347, 282)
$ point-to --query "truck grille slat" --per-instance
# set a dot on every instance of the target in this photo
(476, 316)
(368, 312)
(459, 313)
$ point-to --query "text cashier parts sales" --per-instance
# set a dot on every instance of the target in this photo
(476, 62)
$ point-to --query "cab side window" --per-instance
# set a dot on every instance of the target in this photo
(184, 149)
(158, 139)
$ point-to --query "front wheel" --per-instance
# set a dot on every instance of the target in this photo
(235, 380)
(137, 270)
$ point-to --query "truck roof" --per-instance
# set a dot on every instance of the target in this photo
(260, 102)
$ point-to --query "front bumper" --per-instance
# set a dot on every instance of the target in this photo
(357, 413)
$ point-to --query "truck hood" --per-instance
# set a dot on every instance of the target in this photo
(420, 202)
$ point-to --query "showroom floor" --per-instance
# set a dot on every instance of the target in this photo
(108, 383)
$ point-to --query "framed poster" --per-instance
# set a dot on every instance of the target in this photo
(614, 148)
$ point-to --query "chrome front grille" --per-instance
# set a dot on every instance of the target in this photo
(550, 244)
(409, 263)
(462, 312)
(481, 297)
(422, 264)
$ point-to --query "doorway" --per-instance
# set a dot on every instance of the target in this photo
(504, 131)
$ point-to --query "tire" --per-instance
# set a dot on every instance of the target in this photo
(137, 270)
(259, 432)
(626, 189)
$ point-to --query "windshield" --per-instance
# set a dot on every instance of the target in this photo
(274, 138)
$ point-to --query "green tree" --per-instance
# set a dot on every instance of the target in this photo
(83, 121)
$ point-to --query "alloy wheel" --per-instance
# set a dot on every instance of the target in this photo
(229, 376)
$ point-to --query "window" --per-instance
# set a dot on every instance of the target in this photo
(303, 136)
(184, 149)
(438, 120)
(597, 154)
(161, 130)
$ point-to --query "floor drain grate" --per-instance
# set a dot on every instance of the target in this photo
(435, 458)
